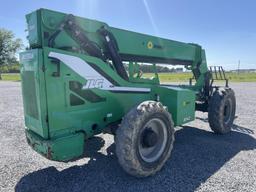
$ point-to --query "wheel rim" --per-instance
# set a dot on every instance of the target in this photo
(227, 111)
(153, 140)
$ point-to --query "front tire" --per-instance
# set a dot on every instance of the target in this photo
(222, 109)
(144, 140)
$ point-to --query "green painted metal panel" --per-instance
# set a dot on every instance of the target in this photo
(33, 91)
(90, 117)
(34, 28)
(60, 149)
(180, 102)
(43, 23)
(137, 45)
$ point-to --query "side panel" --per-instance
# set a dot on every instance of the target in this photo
(186, 106)
(34, 29)
(33, 91)
(180, 103)
(78, 101)
(43, 23)
(151, 47)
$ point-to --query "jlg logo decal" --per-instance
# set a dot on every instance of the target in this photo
(94, 83)
(93, 78)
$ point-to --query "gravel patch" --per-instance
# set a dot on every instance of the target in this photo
(200, 161)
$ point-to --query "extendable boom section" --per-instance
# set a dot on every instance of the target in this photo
(108, 43)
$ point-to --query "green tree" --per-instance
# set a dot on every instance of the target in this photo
(9, 46)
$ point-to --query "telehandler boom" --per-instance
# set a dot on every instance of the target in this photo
(81, 77)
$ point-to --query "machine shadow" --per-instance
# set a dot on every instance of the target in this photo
(197, 155)
(235, 127)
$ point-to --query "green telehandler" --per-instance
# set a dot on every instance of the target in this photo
(82, 77)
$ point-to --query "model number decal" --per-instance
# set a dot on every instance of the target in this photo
(187, 119)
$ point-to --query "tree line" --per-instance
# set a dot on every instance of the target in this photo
(9, 46)
(161, 69)
(148, 68)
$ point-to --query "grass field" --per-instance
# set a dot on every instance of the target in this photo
(167, 77)
(176, 77)
(10, 77)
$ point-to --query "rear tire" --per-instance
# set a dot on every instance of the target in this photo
(144, 140)
(222, 109)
